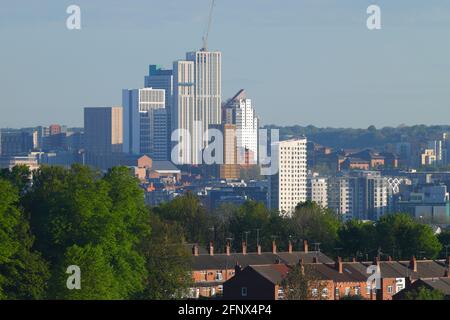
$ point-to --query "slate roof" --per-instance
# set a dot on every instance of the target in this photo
(328, 271)
(441, 284)
(164, 166)
(275, 273)
(223, 261)
(402, 269)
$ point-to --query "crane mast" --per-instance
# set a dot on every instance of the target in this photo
(206, 35)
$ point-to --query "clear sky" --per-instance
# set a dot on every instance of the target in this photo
(301, 61)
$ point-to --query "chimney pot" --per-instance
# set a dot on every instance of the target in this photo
(274, 247)
(259, 249)
(339, 264)
(211, 249)
(228, 248)
(290, 247)
(305, 246)
(413, 264)
(195, 250)
(244, 248)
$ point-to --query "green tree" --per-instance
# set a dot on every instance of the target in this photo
(407, 237)
(315, 224)
(357, 238)
(303, 283)
(189, 212)
(167, 261)
(97, 275)
(424, 294)
(23, 272)
(444, 239)
(18, 176)
(80, 207)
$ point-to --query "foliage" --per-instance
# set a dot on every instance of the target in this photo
(424, 294)
(299, 282)
(167, 260)
(23, 272)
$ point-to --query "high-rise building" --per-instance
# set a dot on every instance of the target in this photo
(140, 124)
(197, 101)
(15, 143)
(103, 135)
(360, 195)
(288, 186)
(228, 167)
(318, 190)
(159, 78)
(183, 111)
(239, 111)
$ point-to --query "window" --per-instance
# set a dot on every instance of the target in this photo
(390, 289)
(314, 292)
(280, 294)
(219, 276)
(336, 292)
(357, 291)
(347, 291)
(244, 291)
(324, 293)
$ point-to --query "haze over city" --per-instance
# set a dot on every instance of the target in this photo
(302, 62)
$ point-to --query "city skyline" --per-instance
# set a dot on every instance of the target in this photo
(373, 71)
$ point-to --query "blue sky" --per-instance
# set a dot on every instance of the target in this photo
(301, 61)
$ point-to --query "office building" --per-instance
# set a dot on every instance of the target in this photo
(318, 190)
(239, 111)
(287, 187)
(14, 143)
(197, 102)
(103, 135)
(141, 127)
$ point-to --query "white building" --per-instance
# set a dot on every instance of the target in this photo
(239, 111)
(139, 127)
(318, 190)
(360, 195)
(197, 100)
(287, 187)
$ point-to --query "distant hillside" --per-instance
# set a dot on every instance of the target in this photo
(360, 138)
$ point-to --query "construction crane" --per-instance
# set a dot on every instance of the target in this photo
(206, 35)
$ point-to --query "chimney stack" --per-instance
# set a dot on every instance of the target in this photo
(211, 249)
(290, 246)
(244, 247)
(195, 250)
(274, 247)
(389, 258)
(413, 264)
(305, 246)
(339, 264)
(258, 249)
(376, 261)
(228, 248)
(353, 259)
(447, 269)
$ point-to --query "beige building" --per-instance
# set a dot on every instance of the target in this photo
(288, 184)
(103, 135)
(428, 157)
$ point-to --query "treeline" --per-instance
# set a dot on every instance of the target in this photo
(97, 222)
(125, 250)
(363, 138)
(398, 236)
